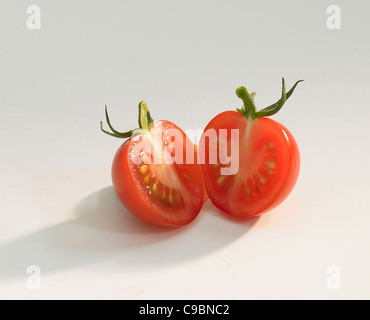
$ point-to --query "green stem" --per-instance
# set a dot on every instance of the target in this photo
(249, 109)
(145, 123)
(145, 120)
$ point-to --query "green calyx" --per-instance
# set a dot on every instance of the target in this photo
(249, 108)
(145, 123)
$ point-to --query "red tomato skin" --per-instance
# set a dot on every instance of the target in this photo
(134, 195)
(263, 130)
(293, 166)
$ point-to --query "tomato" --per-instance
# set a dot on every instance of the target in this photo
(168, 192)
(267, 156)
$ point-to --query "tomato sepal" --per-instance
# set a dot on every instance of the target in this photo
(145, 123)
(249, 108)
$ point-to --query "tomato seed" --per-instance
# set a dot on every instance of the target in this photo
(221, 180)
(143, 169)
(271, 164)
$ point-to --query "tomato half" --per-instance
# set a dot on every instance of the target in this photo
(267, 157)
(159, 192)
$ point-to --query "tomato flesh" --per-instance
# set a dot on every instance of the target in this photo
(165, 194)
(268, 161)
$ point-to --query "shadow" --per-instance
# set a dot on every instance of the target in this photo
(104, 231)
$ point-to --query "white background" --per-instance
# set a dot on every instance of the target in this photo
(186, 58)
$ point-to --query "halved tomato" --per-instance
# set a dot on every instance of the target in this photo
(267, 158)
(150, 174)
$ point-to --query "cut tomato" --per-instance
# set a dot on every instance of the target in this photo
(268, 159)
(151, 177)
